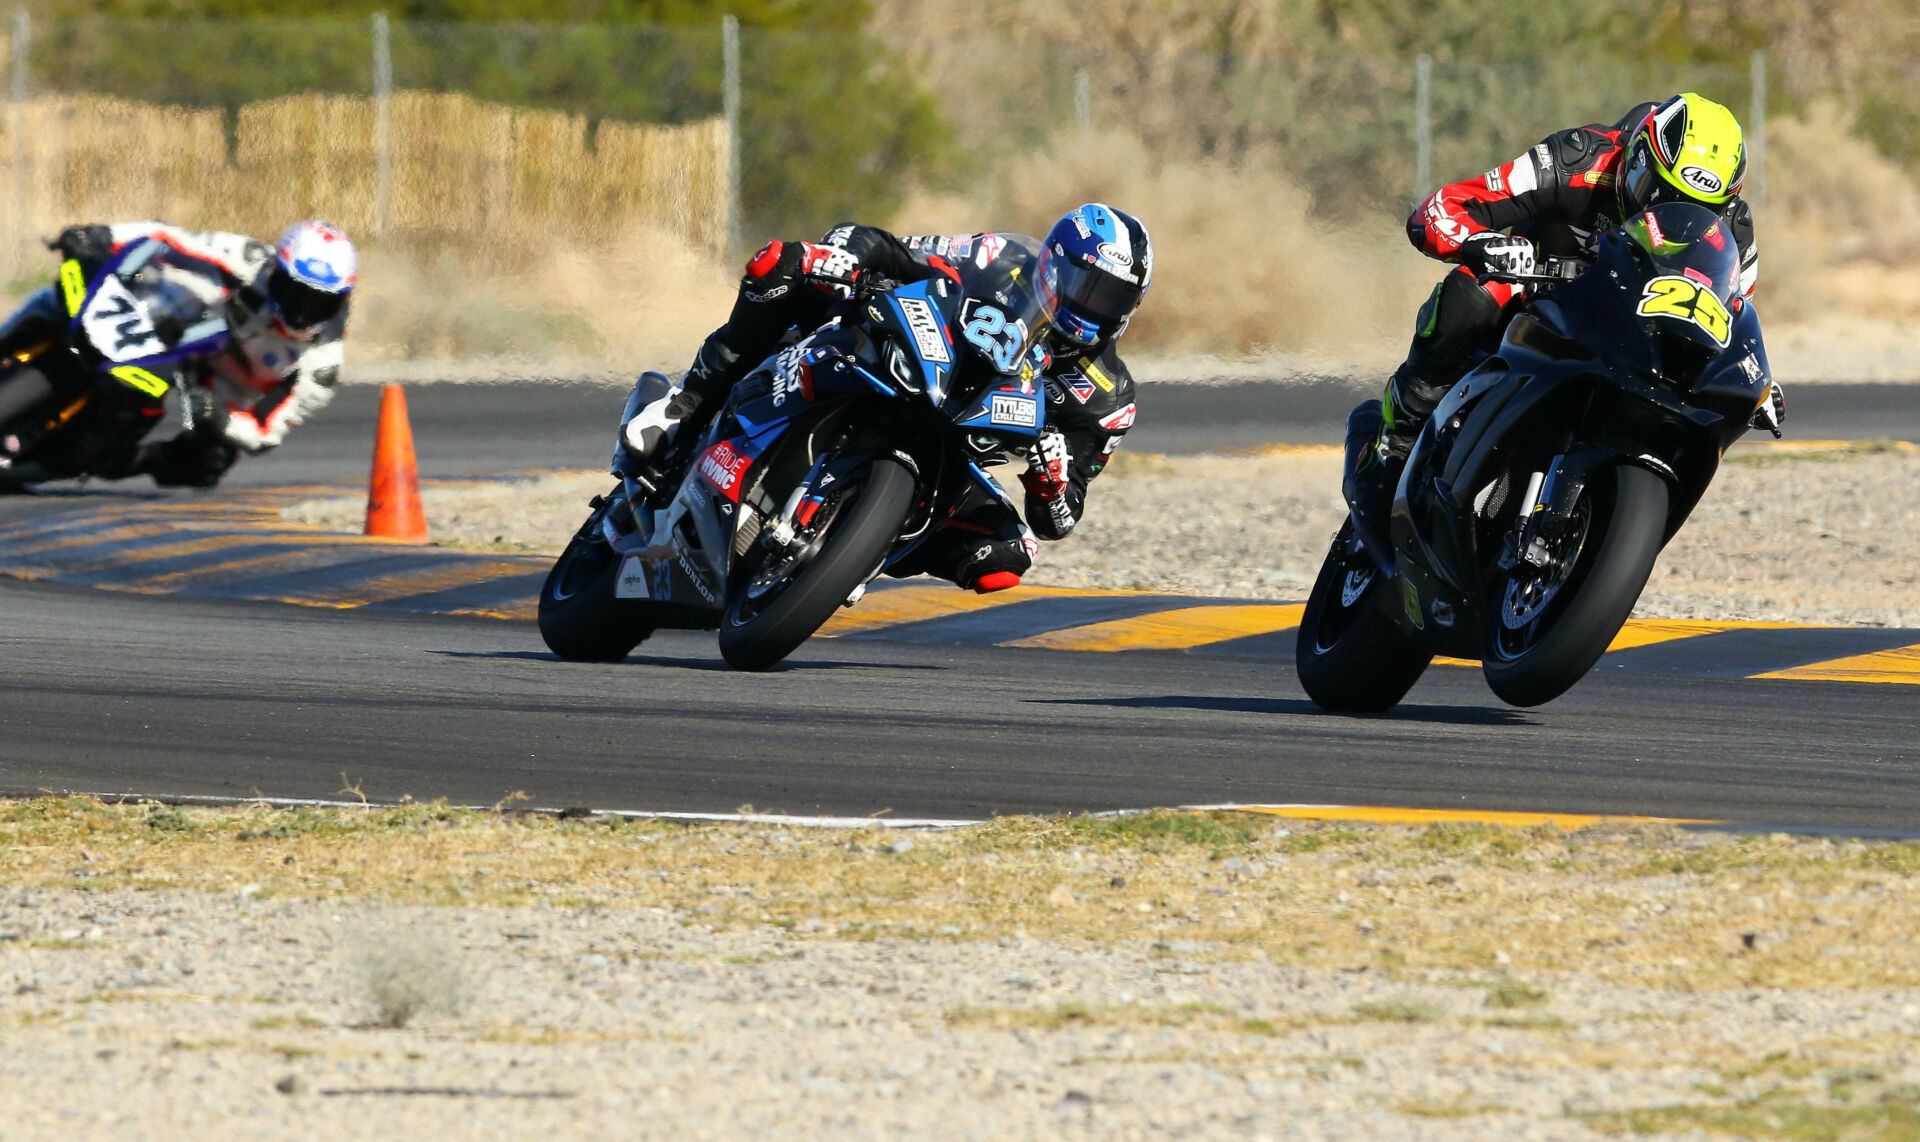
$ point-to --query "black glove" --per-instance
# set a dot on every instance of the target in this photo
(87, 244)
(1495, 255)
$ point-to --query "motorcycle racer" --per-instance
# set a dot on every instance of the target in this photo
(1093, 268)
(1548, 202)
(286, 309)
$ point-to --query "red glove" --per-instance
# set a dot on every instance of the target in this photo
(1046, 474)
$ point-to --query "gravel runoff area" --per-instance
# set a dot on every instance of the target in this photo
(1786, 534)
(430, 973)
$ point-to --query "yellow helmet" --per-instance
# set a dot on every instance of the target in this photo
(1688, 149)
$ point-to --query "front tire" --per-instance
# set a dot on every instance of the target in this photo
(758, 632)
(1536, 649)
(581, 619)
(1352, 658)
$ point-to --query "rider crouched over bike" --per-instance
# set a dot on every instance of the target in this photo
(1548, 203)
(286, 311)
(1091, 270)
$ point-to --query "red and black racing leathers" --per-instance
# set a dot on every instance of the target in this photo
(1558, 194)
(1090, 400)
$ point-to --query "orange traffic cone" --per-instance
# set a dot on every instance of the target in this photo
(393, 493)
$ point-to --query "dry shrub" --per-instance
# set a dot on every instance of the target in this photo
(408, 970)
(1240, 264)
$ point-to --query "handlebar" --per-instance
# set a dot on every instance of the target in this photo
(1556, 271)
(860, 287)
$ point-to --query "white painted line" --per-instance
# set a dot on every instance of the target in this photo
(634, 814)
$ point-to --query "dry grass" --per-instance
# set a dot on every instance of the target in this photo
(1639, 905)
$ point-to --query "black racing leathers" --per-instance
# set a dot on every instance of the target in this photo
(1090, 400)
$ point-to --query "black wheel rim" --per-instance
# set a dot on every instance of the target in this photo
(1529, 599)
(1357, 574)
(772, 572)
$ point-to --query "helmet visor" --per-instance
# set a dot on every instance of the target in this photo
(301, 306)
(1095, 294)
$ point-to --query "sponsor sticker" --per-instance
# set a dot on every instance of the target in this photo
(722, 467)
(1018, 412)
(1096, 374)
(1494, 182)
(631, 583)
(1750, 365)
(1079, 386)
(1120, 421)
(925, 328)
(695, 577)
(1701, 179)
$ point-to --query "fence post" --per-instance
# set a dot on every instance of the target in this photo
(22, 35)
(382, 148)
(730, 105)
(1422, 126)
(1082, 100)
(1757, 130)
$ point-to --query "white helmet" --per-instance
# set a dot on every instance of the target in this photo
(314, 267)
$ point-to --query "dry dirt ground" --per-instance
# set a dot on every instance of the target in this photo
(429, 973)
(1821, 535)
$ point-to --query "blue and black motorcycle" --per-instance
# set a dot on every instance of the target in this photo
(829, 464)
(91, 399)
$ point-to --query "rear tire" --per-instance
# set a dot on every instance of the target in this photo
(20, 393)
(1629, 523)
(1352, 658)
(857, 539)
(580, 617)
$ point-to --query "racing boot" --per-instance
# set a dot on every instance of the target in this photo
(659, 412)
(1376, 455)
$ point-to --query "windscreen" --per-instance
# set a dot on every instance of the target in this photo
(1693, 267)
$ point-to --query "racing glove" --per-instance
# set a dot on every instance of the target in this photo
(818, 261)
(1495, 255)
(1772, 412)
(1047, 459)
(90, 243)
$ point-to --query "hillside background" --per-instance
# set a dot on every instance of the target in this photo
(558, 195)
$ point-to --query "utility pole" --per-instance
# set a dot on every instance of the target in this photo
(1422, 126)
(382, 142)
(1757, 130)
(730, 106)
(22, 36)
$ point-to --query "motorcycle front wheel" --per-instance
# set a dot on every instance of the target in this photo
(581, 619)
(782, 596)
(1547, 626)
(1352, 658)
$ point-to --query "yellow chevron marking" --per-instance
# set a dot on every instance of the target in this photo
(524, 613)
(917, 603)
(68, 540)
(1649, 632)
(161, 584)
(1900, 665)
(420, 581)
(1171, 630)
(1386, 815)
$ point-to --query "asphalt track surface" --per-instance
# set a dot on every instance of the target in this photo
(118, 693)
(122, 693)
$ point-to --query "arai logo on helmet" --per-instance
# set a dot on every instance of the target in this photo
(1117, 254)
(1702, 179)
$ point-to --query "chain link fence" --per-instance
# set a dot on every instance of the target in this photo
(484, 152)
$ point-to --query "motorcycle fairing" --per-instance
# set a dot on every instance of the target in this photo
(149, 328)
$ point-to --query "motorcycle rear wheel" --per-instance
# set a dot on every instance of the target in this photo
(1352, 658)
(758, 632)
(1625, 526)
(581, 619)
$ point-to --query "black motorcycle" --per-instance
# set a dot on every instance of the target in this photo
(1538, 495)
(829, 463)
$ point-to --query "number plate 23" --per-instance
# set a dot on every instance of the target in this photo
(997, 338)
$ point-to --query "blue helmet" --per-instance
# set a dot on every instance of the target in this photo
(1095, 267)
